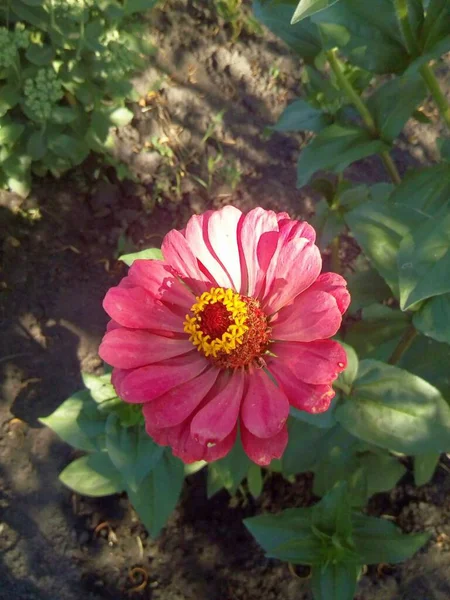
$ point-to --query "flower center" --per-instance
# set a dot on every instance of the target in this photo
(231, 330)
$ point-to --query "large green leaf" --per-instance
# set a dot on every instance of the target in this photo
(436, 27)
(390, 114)
(392, 408)
(301, 453)
(426, 189)
(301, 116)
(306, 8)
(78, 422)
(158, 494)
(424, 262)
(303, 38)
(132, 451)
(334, 148)
(433, 319)
(93, 475)
(379, 541)
(369, 36)
(366, 286)
(425, 466)
(335, 581)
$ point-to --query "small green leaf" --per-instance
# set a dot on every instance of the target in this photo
(332, 515)
(40, 55)
(335, 581)
(301, 453)
(348, 376)
(425, 466)
(147, 254)
(9, 97)
(62, 115)
(433, 319)
(334, 148)
(69, 147)
(93, 475)
(393, 409)
(100, 386)
(228, 472)
(10, 133)
(78, 422)
(366, 286)
(306, 8)
(37, 145)
(379, 541)
(121, 116)
(301, 116)
(424, 262)
(255, 480)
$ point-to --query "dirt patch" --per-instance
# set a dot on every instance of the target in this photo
(197, 141)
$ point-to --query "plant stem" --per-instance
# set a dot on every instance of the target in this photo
(363, 110)
(401, 8)
(433, 85)
(335, 262)
(404, 344)
(353, 95)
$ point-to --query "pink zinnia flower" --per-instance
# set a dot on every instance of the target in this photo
(227, 333)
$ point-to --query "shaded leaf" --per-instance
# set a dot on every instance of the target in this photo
(147, 254)
(93, 475)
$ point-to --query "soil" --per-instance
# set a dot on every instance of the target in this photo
(59, 250)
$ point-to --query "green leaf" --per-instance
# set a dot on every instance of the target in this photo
(426, 189)
(327, 222)
(255, 480)
(93, 475)
(332, 515)
(228, 472)
(366, 286)
(78, 422)
(324, 420)
(424, 262)
(436, 27)
(301, 116)
(334, 148)
(37, 145)
(349, 375)
(136, 6)
(10, 133)
(433, 319)
(379, 541)
(132, 451)
(147, 254)
(69, 147)
(9, 97)
(443, 145)
(393, 409)
(100, 386)
(306, 8)
(158, 494)
(391, 115)
(370, 38)
(303, 37)
(382, 472)
(378, 331)
(62, 115)
(35, 15)
(425, 466)
(40, 55)
(121, 116)
(301, 453)
(272, 531)
(335, 581)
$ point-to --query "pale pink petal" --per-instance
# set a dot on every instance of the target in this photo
(132, 348)
(137, 309)
(147, 383)
(311, 316)
(318, 362)
(292, 270)
(222, 235)
(217, 419)
(179, 255)
(304, 396)
(158, 278)
(265, 407)
(263, 450)
(176, 405)
(291, 229)
(333, 284)
(258, 237)
(283, 216)
(196, 234)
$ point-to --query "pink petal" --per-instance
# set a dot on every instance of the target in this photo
(131, 348)
(304, 396)
(318, 362)
(158, 278)
(137, 309)
(147, 383)
(258, 237)
(312, 316)
(263, 451)
(179, 255)
(265, 407)
(112, 325)
(217, 419)
(333, 284)
(222, 235)
(294, 267)
(176, 405)
(291, 229)
(189, 450)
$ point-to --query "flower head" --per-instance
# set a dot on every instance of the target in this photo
(226, 333)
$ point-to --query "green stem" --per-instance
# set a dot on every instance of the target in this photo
(401, 8)
(433, 85)
(363, 110)
(353, 95)
(335, 261)
(404, 344)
